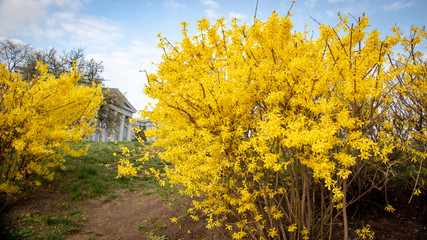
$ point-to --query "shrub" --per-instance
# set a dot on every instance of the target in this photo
(275, 132)
(39, 119)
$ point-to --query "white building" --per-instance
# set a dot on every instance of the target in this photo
(125, 110)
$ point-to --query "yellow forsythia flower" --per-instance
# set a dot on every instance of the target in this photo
(390, 208)
(365, 233)
(417, 192)
(292, 228)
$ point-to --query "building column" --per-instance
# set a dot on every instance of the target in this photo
(128, 129)
(129, 137)
(120, 137)
(105, 135)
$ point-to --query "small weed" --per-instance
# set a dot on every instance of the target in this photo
(143, 228)
(54, 235)
(154, 222)
(152, 219)
(148, 183)
(77, 195)
(111, 197)
(28, 219)
(153, 237)
(56, 220)
(94, 233)
(20, 233)
(150, 226)
(76, 213)
(63, 206)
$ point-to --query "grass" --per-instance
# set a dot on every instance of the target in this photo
(95, 174)
(35, 226)
(91, 176)
(151, 225)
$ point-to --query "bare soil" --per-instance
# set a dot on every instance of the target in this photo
(134, 215)
(408, 222)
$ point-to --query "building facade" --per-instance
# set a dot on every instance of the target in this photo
(122, 132)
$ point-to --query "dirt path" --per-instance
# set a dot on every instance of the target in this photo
(131, 215)
(135, 215)
(122, 217)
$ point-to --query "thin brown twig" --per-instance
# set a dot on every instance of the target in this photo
(256, 9)
(289, 11)
(416, 181)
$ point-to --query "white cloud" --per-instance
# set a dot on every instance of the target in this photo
(123, 67)
(397, 5)
(237, 15)
(210, 3)
(335, 1)
(26, 17)
(348, 10)
(72, 5)
(91, 31)
(211, 12)
(173, 4)
(84, 31)
(331, 13)
(55, 19)
(22, 15)
(310, 3)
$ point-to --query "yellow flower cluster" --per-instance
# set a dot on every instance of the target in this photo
(365, 233)
(39, 119)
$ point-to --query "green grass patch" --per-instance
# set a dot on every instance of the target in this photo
(54, 226)
(111, 197)
(56, 220)
(95, 174)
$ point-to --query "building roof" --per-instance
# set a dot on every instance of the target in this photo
(122, 101)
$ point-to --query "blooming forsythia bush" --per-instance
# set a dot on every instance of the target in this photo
(410, 114)
(39, 119)
(270, 129)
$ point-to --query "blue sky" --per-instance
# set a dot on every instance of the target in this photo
(122, 34)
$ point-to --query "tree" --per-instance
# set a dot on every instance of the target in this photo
(14, 53)
(23, 55)
(39, 121)
(277, 133)
(91, 69)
